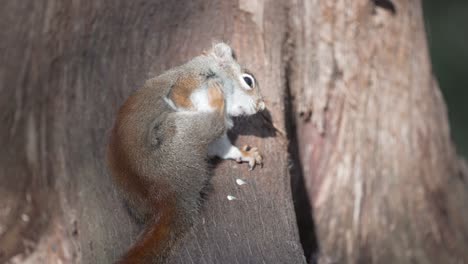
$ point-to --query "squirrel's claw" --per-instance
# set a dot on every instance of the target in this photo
(251, 165)
(252, 156)
(259, 160)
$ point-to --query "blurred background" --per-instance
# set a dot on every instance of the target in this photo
(447, 33)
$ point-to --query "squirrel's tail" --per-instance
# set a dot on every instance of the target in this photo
(159, 236)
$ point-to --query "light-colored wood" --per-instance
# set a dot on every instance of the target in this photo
(383, 177)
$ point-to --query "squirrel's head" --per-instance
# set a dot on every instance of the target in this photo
(240, 86)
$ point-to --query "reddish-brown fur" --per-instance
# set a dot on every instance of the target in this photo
(156, 239)
(182, 89)
(117, 158)
(157, 154)
(215, 97)
(155, 197)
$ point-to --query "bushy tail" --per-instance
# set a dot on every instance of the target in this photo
(159, 236)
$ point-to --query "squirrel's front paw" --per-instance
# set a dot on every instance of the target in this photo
(251, 155)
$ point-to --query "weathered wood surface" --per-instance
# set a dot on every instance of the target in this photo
(66, 68)
(349, 82)
(383, 177)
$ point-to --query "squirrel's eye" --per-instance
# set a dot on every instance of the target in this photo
(249, 80)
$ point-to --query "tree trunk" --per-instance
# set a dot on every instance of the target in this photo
(66, 68)
(383, 178)
(349, 81)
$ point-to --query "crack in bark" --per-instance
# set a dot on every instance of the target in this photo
(385, 4)
(302, 206)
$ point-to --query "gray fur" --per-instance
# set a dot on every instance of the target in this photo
(166, 150)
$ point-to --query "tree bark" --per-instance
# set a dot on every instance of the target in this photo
(349, 83)
(384, 181)
(68, 66)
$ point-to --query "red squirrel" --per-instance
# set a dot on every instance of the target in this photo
(164, 135)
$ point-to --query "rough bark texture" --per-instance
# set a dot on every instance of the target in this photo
(384, 180)
(66, 68)
(372, 140)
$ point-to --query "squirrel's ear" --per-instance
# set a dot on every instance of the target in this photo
(222, 51)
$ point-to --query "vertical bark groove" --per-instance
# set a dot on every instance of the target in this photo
(379, 171)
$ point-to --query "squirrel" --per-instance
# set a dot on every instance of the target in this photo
(163, 137)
